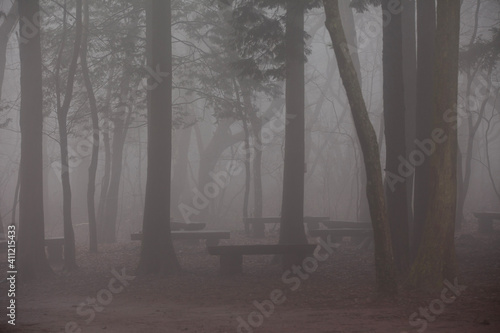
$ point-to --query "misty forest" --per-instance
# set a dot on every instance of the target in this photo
(250, 166)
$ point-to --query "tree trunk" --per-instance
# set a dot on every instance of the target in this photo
(95, 133)
(347, 16)
(256, 125)
(32, 263)
(121, 123)
(410, 97)
(157, 252)
(426, 29)
(101, 210)
(180, 169)
(292, 208)
(472, 129)
(435, 260)
(384, 261)
(395, 136)
(6, 29)
(62, 116)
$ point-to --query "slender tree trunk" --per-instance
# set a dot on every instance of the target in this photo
(472, 128)
(426, 29)
(119, 136)
(292, 209)
(180, 169)
(95, 133)
(31, 260)
(395, 136)
(157, 252)
(221, 140)
(257, 169)
(62, 116)
(6, 29)
(384, 261)
(246, 196)
(347, 16)
(16, 200)
(107, 157)
(256, 126)
(435, 260)
(2, 229)
(410, 94)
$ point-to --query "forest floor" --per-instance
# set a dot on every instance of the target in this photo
(338, 297)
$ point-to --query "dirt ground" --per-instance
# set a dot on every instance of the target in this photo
(336, 297)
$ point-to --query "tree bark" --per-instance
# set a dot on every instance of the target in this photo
(436, 256)
(157, 251)
(410, 96)
(395, 136)
(6, 29)
(384, 261)
(472, 129)
(292, 208)
(32, 263)
(62, 116)
(426, 29)
(101, 210)
(95, 132)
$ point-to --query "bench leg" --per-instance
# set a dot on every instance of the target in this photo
(231, 264)
(55, 253)
(259, 230)
(485, 225)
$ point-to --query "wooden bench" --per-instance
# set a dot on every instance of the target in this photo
(362, 236)
(485, 220)
(258, 223)
(231, 256)
(346, 224)
(54, 248)
(193, 226)
(212, 237)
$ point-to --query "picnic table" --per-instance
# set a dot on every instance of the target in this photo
(231, 256)
(359, 232)
(54, 248)
(485, 220)
(212, 237)
(258, 223)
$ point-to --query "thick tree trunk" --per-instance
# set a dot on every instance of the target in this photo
(95, 133)
(426, 29)
(384, 261)
(31, 260)
(395, 136)
(157, 252)
(292, 208)
(435, 260)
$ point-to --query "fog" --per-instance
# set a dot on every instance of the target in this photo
(230, 115)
